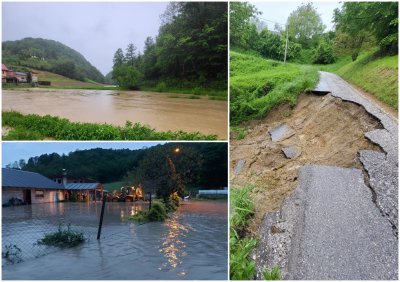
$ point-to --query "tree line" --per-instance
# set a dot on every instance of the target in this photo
(357, 25)
(199, 164)
(190, 49)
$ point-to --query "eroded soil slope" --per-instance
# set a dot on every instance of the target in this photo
(326, 131)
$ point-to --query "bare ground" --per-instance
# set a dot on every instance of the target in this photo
(327, 131)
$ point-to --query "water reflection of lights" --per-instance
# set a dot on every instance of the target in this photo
(173, 248)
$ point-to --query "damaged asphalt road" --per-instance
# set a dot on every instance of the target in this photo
(339, 224)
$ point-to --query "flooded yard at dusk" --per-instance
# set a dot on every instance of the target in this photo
(190, 244)
(162, 111)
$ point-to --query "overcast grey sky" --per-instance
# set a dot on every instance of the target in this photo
(96, 30)
(280, 11)
(14, 151)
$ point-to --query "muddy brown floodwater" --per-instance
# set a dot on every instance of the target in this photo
(158, 110)
(191, 244)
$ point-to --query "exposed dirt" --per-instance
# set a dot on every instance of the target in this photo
(327, 131)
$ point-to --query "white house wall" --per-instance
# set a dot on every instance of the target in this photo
(50, 196)
(8, 193)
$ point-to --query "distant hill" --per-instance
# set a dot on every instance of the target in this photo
(49, 55)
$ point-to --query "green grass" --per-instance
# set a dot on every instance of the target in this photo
(35, 127)
(238, 133)
(376, 75)
(240, 246)
(274, 274)
(114, 186)
(258, 85)
(215, 90)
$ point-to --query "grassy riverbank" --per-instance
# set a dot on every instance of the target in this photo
(35, 127)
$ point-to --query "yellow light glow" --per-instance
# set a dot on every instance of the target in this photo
(177, 150)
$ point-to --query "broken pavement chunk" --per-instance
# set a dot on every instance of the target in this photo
(281, 132)
(291, 152)
(239, 166)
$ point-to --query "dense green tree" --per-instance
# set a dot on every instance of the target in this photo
(324, 53)
(203, 164)
(130, 55)
(305, 25)
(191, 46)
(380, 19)
(119, 57)
(241, 15)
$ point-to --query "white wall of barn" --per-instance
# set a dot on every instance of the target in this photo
(7, 194)
(49, 196)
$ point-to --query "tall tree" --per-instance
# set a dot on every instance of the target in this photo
(305, 24)
(130, 55)
(118, 57)
(241, 14)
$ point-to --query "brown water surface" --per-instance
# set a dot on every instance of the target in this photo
(158, 110)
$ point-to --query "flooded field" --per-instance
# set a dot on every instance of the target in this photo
(191, 244)
(158, 110)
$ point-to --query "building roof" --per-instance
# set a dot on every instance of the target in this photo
(26, 179)
(20, 73)
(4, 67)
(81, 186)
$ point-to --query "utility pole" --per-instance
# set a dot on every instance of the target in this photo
(286, 45)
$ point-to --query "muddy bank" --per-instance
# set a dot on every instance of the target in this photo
(158, 110)
(326, 131)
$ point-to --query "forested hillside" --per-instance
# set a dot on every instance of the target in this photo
(49, 55)
(189, 51)
(109, 165)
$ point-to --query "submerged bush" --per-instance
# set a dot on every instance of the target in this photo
(63, 238)
(12, 254)
(156, 213)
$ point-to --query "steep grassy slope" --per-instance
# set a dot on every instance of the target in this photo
(378, 76)
(49, 55)
(258, 85)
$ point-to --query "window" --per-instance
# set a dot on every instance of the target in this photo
(39, 193)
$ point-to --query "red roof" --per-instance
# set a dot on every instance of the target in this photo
(3, 67)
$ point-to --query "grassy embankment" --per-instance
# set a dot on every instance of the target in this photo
(35, 127)
(374, 74)
(214, 91)
(258, 85)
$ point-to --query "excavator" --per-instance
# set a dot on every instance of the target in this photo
(127, 194)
